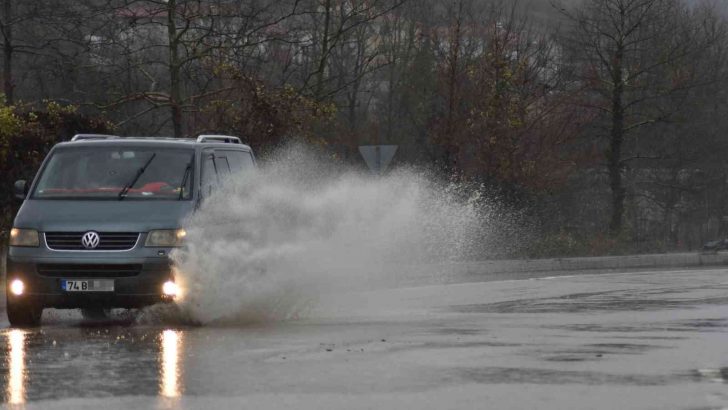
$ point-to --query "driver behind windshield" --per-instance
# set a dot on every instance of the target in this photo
(103, 173)
(100, 173)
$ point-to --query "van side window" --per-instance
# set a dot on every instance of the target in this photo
(248, 162)
(209, 173)
(238, 160)
(223, 166)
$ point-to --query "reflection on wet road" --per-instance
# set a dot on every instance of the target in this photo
(16, 367)
(74, 361)
(546, 343)
(169, 366)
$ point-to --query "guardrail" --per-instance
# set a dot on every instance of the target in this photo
(654, 261)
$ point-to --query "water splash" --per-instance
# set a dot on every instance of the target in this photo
(270, 243)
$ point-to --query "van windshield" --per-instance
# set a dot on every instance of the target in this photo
(113, 173)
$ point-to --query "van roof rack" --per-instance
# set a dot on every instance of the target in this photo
(219, 138)
(159, 139)
(85, 137)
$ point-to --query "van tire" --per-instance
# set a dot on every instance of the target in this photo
(23, 314)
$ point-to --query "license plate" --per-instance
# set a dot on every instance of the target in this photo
(87, 285)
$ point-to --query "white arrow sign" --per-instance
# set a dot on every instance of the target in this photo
(377, 157)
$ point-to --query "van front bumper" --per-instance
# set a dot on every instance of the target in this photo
(139, 285)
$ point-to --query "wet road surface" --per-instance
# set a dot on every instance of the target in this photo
(628, 340)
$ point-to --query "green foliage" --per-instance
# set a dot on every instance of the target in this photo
(10, 123)
(26, 136)
(558, 244)
(571, 244)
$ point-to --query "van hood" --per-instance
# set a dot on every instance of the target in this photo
(113, 216)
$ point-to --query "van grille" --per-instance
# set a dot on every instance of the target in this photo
(109, 241)
(65, 270)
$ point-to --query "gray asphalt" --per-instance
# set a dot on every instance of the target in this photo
(616, 340)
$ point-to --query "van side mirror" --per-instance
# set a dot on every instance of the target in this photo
(21, 189)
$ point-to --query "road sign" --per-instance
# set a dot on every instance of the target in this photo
(377, 157)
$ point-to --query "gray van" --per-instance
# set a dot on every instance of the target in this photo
(101, 216)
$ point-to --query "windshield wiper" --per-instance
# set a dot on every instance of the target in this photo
(140, 171)
(184, 181)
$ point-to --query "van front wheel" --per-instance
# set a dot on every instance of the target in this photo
(23, 314)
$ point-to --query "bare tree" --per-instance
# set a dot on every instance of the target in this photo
(628, 55)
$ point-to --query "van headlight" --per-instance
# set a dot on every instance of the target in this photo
(24, 237)
(165, 238)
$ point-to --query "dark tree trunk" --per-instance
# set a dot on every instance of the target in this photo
(321, 69)
(451, 145)
(614, 155)
(174, 69)
(8, 52)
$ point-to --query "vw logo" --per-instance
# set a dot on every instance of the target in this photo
(90, 240)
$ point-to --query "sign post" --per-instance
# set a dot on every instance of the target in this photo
(377, 157)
